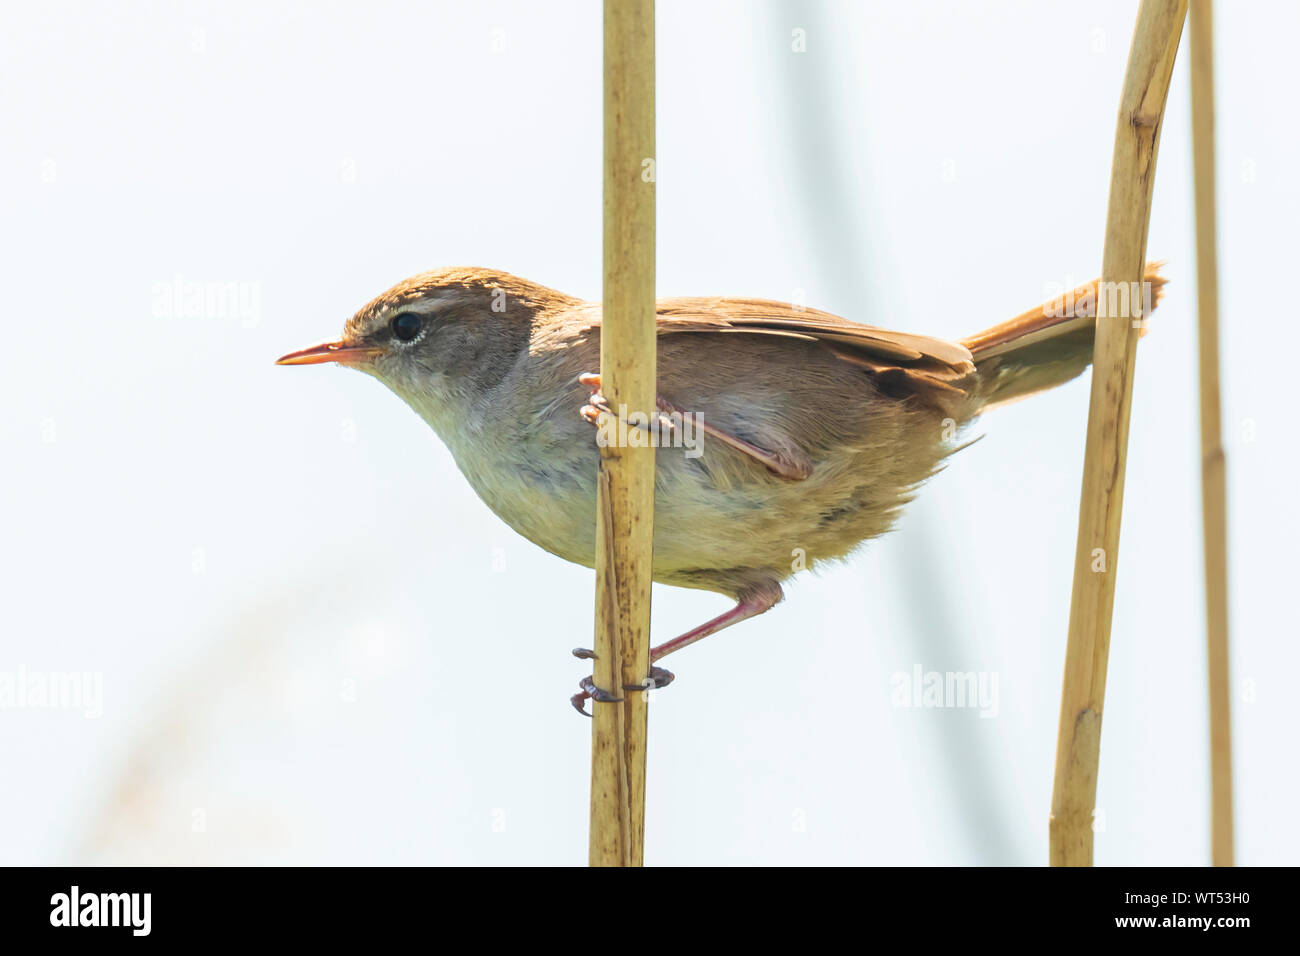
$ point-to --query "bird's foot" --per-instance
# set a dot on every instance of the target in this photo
(790, 463)
(597, 405)
(658, 678)
(591, 692)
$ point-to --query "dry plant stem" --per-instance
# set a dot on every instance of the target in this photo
(625, 506)
(1078, 746)
(1213, 478)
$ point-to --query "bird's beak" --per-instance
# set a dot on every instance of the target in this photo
(328, 352)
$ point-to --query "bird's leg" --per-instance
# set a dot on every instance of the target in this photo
(751, 604)
(793, 466)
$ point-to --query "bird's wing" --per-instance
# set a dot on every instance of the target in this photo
(900, 361)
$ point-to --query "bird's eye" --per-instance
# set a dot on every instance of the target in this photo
(405, 326)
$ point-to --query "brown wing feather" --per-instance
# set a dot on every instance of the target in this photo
(932, 369)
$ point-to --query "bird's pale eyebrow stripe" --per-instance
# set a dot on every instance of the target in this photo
(425, 305)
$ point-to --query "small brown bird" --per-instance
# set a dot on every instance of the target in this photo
(798, 432)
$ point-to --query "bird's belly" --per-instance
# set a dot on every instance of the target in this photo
(767, 524)
(701, 524)
(553, 507)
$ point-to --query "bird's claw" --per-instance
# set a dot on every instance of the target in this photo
(658, 678)
(598, 405)
(598, 694)
(591, 692)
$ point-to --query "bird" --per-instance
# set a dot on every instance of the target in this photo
(786, 436)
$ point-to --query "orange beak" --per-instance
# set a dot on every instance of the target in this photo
(328, 352)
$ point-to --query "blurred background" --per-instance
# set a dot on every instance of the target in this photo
(287, 650)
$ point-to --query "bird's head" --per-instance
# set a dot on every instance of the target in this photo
(440, 337)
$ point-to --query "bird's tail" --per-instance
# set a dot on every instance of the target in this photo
(1051, 344)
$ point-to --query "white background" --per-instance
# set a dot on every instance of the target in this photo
(239, 549)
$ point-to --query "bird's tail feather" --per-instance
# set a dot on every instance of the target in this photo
(1051, 344)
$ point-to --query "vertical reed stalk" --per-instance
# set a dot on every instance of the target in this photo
(1137, 135)
(625, 505)
(1213, 477)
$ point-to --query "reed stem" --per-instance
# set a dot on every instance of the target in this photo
(1137, 136)
(1213, 466)
(625, 497)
